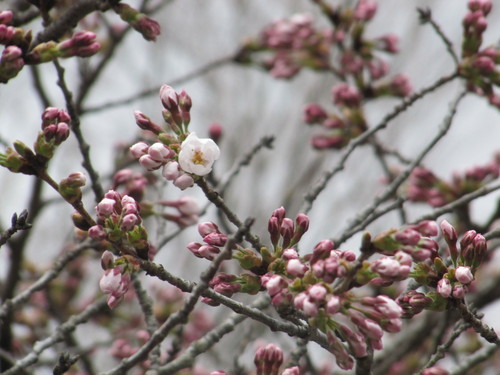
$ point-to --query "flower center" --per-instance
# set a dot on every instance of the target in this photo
(198, 157)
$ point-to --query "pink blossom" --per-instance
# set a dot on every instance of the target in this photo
(345, 95)
(115, 283)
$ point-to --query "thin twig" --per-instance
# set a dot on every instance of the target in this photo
(43, 281)
(75, 127)
(442, 349)
(394, 185)
(17, 223)
(209, 339)
(426, 17)
(154, 90)
(69, 326)
(314, 192)
(181, 316)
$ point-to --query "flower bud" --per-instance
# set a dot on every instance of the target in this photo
(464, 275)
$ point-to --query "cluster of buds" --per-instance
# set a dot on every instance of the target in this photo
(55, 130)
(116, 279)
(361, 64)
(478, 66)
(268, 360)
(455, 279)
(18, 51)
(148, 27)
(282, 227)
(81, 44)
(119, 221)
(15, 41)
(368, 318)
(11, 63)
(213, 239)
(425, 186)
(294, 43)
(183, 156)
(413, 240)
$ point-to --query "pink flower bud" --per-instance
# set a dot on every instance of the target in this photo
(208, 252)
(148, 27)
(105, 207)
(215, 239)
(279, 213)
(449, 232)
(314, 113)
(215, 131)
(290, 254)
(208, 227)
(310, 307)
(273, 284)
(296, 268)
(97, 232)
(129, 221)
(169, 98)
(159, 152)
(435, 370)
(333, 305)
(295, 370)
(145, 123)
(458, 291)
(444, 287)
(149, 163)
(6, 16)
(345, 95)
(171, 171)
(464, 274)
(322, 142)
(184, 181)
(317, 292)
(401, 85)
(188, 206)
(139, 149)
(268, 359)
(365, 10)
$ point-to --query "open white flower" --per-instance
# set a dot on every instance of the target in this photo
(197, 155)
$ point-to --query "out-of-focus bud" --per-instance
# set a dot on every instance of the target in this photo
(215, 131)
(435, 370)
(314, 113)
(149, 28)
(6, 16)
(268, 360)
